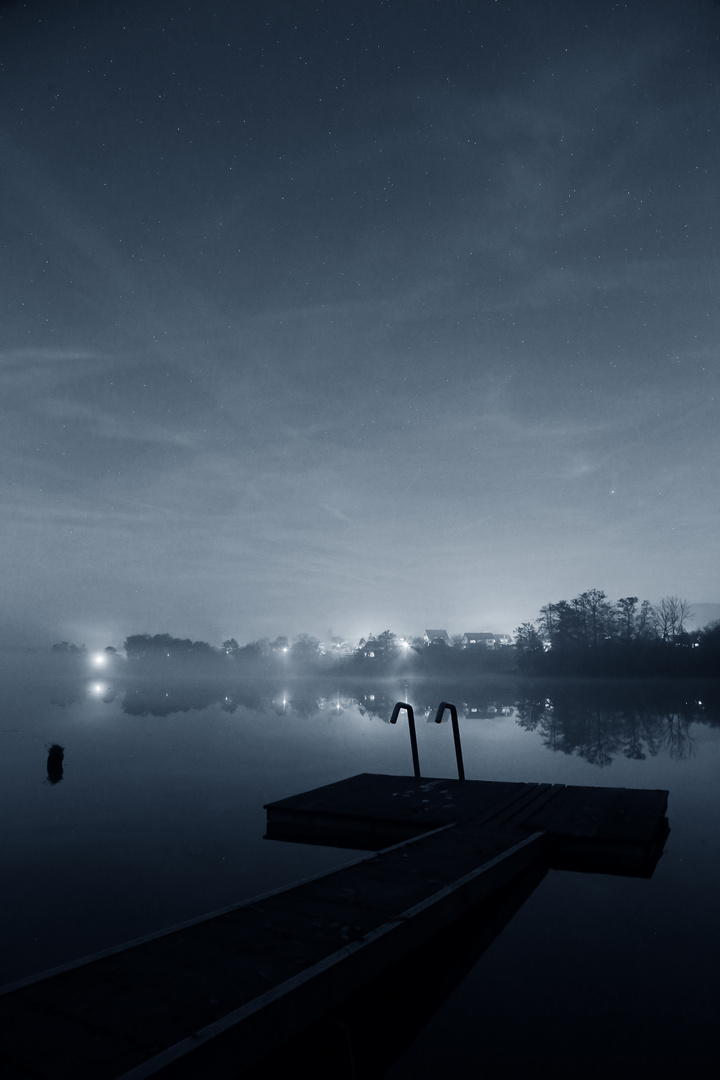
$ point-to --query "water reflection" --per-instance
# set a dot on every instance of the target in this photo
(611, 720)
(103, 690)
(597, 721)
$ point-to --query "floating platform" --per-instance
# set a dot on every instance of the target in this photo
(596, 829)
(213, 996)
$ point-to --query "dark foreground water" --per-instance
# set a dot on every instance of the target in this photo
(158, 817)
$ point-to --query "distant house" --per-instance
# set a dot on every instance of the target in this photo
(437, 635)
(477, 638)
(490, 641)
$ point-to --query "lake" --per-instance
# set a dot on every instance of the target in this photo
(159, 817)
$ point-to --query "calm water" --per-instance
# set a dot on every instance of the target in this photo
(158, 817)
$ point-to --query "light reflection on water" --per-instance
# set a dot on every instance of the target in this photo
(596, 722)
(159, 818)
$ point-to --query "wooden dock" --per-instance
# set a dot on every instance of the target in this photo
(211, 997)
(602, 830)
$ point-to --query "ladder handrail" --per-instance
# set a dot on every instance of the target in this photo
(456, 733)
(413, 737)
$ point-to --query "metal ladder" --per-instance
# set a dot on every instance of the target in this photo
(403, 705)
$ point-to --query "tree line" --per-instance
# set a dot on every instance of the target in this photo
(383, 654)
(378, 654)
(590, 635)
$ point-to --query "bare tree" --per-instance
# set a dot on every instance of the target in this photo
(671, 614)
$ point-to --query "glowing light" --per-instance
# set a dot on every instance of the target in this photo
(99, 659)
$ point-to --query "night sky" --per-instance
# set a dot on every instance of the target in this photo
(346, 315)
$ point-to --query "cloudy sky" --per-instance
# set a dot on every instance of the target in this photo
(353, 314)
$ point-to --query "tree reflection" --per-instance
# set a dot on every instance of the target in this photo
(596, 720)
(600, 722)
(678, 740)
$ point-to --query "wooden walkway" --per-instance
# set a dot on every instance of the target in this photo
(211, 997)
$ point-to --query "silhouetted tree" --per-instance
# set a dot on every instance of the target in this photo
(707, 650)
(254, 653)
(590, 636)
(670, 617)
(529, 647)
(594, 621)
(626, 615)
(164, 652)
(645, 622)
